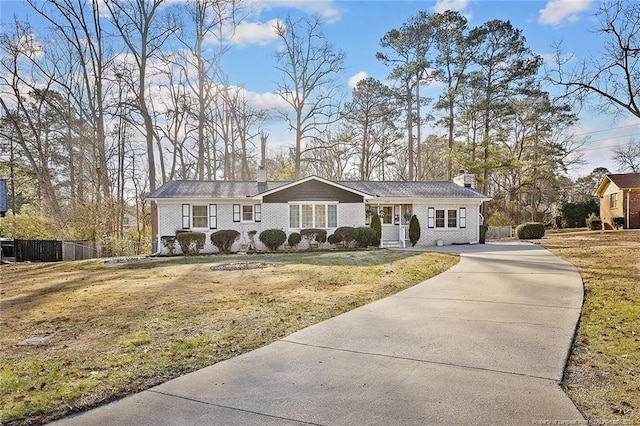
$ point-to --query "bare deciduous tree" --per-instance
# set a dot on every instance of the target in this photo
(627, 157)
(309, 65)
(613, 76)
(144, 32)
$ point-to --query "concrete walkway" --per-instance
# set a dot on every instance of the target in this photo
(484, 343)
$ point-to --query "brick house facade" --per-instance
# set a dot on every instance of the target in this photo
(448, 212)
(620, 201)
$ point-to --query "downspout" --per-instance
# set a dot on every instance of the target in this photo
(381, 227)
(628, 207)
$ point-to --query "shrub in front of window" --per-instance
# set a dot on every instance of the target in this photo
(169, 242)
(345, 234)
(414, 230)
(273, 238)
(376, 225)
(224, 239)
(314, 234)
(364, 236)
(294, 239)
(191, 242)
(530, 231)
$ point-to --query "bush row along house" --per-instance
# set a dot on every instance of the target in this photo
(448, 212)
(620, 201)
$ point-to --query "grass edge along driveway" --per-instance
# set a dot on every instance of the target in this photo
(602, 376)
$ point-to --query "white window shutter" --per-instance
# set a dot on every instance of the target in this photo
(186, 217)
(257, 213)
(462, 220)
(236, 212)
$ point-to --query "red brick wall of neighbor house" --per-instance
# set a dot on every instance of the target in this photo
(607, 213)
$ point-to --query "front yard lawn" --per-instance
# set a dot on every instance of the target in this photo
(603, 375)
(107, 330)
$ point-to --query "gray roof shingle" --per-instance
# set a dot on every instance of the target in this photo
(246, 189)
(405, 189)
(209, 189)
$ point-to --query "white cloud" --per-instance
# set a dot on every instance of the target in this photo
(455, 5)
(324, 8)
(557, 12)
(354, 79)
(267, 100)
(254, 33)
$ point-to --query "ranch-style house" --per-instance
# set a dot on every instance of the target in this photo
(448, 211)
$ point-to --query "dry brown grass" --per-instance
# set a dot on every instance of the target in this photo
(117, 329)
(603, 375)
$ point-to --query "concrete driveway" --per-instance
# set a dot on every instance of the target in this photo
(484, 343)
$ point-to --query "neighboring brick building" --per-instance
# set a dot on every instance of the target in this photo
(449, 212)
(620, 201)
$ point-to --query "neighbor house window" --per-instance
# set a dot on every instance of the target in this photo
(446, 218)
(313, 215)
(613, 200)
(198, 216)
(247, 213)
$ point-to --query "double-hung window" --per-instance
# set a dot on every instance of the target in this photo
(447, 218)
(199, 216)
(613, 200)
(247, 213)
(313, 215)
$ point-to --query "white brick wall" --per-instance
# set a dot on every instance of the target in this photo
(349, 214)
(275, 216)
(429, 236)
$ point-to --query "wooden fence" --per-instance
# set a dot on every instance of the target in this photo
(38, 250)
(52, 250)
(499, 232)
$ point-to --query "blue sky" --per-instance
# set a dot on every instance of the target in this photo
(356, 26)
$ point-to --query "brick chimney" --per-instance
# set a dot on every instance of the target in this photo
(466, 180)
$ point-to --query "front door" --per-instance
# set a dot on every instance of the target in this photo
(390, 218)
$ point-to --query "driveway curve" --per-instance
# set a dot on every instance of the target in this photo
(484, 343)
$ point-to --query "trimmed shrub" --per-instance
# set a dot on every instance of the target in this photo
(273, 238)
(294, 239)
(169, 242)
(365, 236)
(191, 242)
(414, 230)
(333, 239)
(319, 235)
(224, 239)
(345, 234)
(376, 225)
(529, 231)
